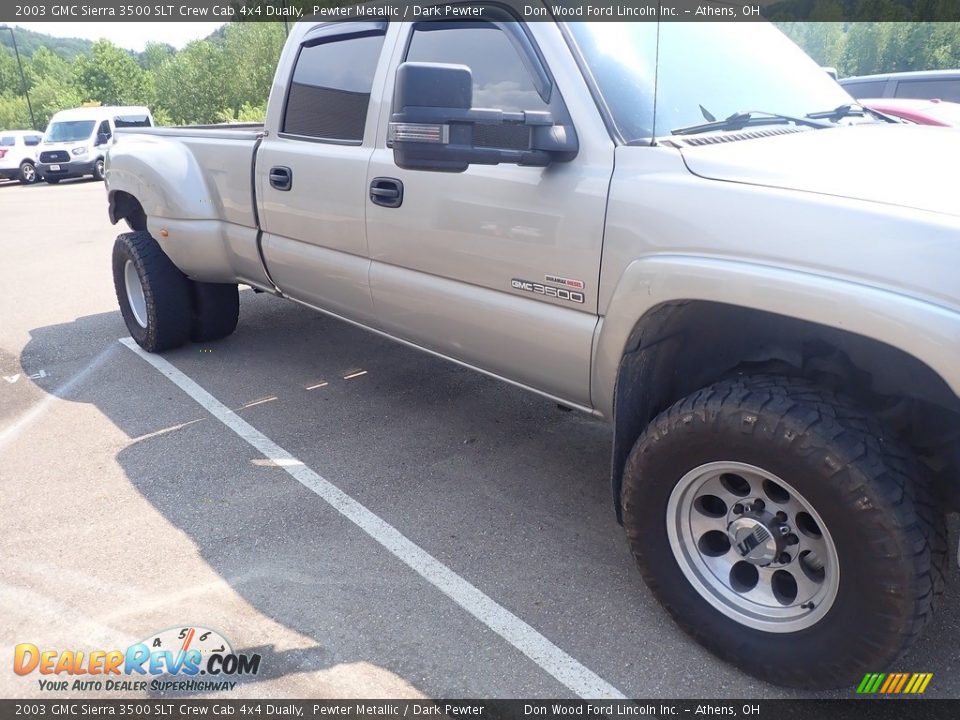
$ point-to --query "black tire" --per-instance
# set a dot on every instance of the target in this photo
(216, 309)
(166, 293)
(98, 169)
(28, 173)
(52, 181)
(870, 492)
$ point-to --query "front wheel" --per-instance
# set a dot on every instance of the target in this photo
(28, 173)
(52, 181)
(785, 530)
(153, 294)
(98, 170)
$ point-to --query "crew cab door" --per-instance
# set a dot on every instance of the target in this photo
(459, 265)
(311, 172)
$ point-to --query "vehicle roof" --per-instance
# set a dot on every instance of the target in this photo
(104, 111)
(913, 75)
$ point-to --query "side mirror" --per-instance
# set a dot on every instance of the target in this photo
(434, 126)
(102, 139)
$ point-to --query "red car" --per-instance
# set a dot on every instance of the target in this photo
(922, 112)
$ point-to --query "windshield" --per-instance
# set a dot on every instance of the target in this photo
(701, 72)
(69, 131)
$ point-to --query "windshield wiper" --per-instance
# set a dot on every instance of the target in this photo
(850, 110)
(740, 120)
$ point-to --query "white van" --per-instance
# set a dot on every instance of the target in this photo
(76, 140)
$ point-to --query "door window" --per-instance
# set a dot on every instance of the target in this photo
(500, 79)
(330, 89)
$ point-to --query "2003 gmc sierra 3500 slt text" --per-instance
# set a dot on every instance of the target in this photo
(709, 245)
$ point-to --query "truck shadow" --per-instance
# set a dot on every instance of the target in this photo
(500, 485)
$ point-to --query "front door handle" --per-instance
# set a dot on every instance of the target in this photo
(281, 177)
(386, 191)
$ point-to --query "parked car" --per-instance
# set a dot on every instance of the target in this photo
(18, 156)
(764, 305)
(921, 112)
(75, 141)
(923, 85)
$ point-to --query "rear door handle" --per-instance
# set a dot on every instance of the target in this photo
(386, 191)
(281, 177)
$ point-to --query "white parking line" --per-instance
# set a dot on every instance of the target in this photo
(571, 673)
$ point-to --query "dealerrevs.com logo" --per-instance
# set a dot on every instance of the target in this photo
(184, 659)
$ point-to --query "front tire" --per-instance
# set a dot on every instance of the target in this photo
(52, 181)
(785, 530)
(98, 170)
(153, 294)
(28, 173)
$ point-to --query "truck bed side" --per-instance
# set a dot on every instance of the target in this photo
(195, 188)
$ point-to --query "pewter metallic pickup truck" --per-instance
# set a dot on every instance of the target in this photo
(705, 243)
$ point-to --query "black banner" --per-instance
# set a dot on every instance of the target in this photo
(528, 10)
(175, 709)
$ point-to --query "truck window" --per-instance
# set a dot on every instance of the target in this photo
(330, 89)
(945, 89)
(32, 139)
(104, 129)
(500, 79)
(871, 89)
(128, 121)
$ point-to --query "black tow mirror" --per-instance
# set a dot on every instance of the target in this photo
(434, 126)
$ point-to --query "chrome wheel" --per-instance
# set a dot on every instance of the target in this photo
(28, 173)
(135, 296)
(753, 547)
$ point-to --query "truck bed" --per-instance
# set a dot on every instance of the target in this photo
(219, 156)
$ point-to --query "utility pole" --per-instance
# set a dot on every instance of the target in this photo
(23, 78)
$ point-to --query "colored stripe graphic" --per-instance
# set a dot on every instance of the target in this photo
(894, 683)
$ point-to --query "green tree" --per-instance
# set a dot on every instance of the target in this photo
(9, 73)
(13, 112)
(192, 86)
(110, 75)
(251, 50)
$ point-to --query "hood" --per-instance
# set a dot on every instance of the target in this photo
(906, 165)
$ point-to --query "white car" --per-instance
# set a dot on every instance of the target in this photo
(18, 155)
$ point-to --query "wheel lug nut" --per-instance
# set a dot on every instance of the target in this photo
(784, 558)
(759, 505)
(792, 539)
(738, 509)
(782, 516)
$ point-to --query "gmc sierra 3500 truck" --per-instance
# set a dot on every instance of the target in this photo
(686, 229)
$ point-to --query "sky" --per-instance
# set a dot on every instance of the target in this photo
(130, 35)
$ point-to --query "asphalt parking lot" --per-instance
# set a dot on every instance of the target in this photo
(127, 507)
